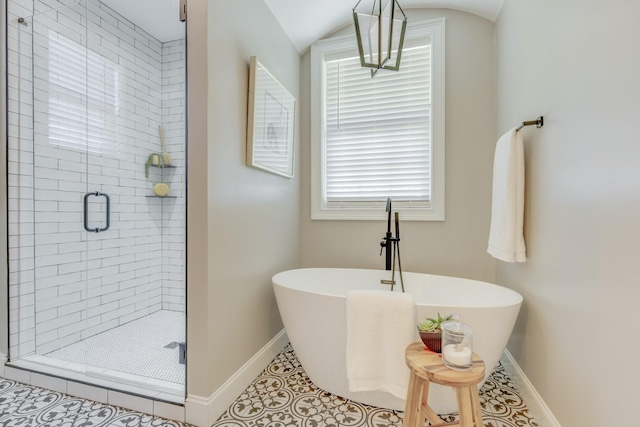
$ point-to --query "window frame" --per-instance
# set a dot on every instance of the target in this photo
(435, 29)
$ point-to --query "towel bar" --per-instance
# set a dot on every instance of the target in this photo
(539, 122)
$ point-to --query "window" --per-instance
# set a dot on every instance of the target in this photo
(378, 137)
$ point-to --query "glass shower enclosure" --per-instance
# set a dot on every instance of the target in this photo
(96, 244)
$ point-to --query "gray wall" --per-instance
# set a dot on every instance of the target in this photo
(243, 222)
(576, 63)
(457, 246)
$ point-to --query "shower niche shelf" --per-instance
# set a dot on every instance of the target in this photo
(154, 196)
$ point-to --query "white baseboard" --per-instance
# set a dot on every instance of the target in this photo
(538, 408)
(204, 411)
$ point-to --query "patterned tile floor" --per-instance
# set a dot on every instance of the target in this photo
(281, 396)
(27, 406)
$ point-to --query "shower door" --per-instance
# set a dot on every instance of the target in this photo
(108, 290)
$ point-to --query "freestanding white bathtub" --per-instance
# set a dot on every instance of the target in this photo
(312, 304)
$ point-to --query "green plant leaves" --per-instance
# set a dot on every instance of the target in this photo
(430, 324)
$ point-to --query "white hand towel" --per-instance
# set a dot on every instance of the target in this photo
(380, 325)
(506, 239)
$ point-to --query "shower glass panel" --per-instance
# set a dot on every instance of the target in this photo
(97, 258)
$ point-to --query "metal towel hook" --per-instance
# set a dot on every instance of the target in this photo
(539, 122)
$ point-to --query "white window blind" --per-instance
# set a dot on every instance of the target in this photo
(378, 131)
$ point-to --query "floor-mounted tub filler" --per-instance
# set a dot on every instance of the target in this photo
(312, 304)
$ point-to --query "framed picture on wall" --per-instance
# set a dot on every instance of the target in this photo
(270, 125)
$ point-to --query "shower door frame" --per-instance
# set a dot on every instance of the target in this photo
(5, 273)
(4, 243)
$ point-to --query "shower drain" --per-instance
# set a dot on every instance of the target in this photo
(182, 353)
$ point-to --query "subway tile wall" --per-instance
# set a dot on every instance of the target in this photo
(174, 210)
(21, 227)
(84, 110)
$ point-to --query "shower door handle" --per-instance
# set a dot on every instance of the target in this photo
(86, 212)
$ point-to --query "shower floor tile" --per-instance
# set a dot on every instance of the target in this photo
(139, 349)
(284, 396)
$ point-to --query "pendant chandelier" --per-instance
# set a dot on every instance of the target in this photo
(380, 27)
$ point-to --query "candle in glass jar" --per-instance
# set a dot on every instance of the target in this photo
(457, 355)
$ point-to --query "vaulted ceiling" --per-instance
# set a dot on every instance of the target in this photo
(306, 21)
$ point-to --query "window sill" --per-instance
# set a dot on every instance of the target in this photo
(376, 215)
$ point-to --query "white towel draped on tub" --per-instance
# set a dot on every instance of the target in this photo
(380, 325)
(506, 240)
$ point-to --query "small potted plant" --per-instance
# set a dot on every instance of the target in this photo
(155, 159)
(431, 332)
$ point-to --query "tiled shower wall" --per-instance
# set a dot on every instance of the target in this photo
(84, 111)
(174, 213)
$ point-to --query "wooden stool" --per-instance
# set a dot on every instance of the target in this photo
(426, 366)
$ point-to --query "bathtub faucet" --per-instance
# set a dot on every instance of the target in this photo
(392, 244)
(386, 240)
